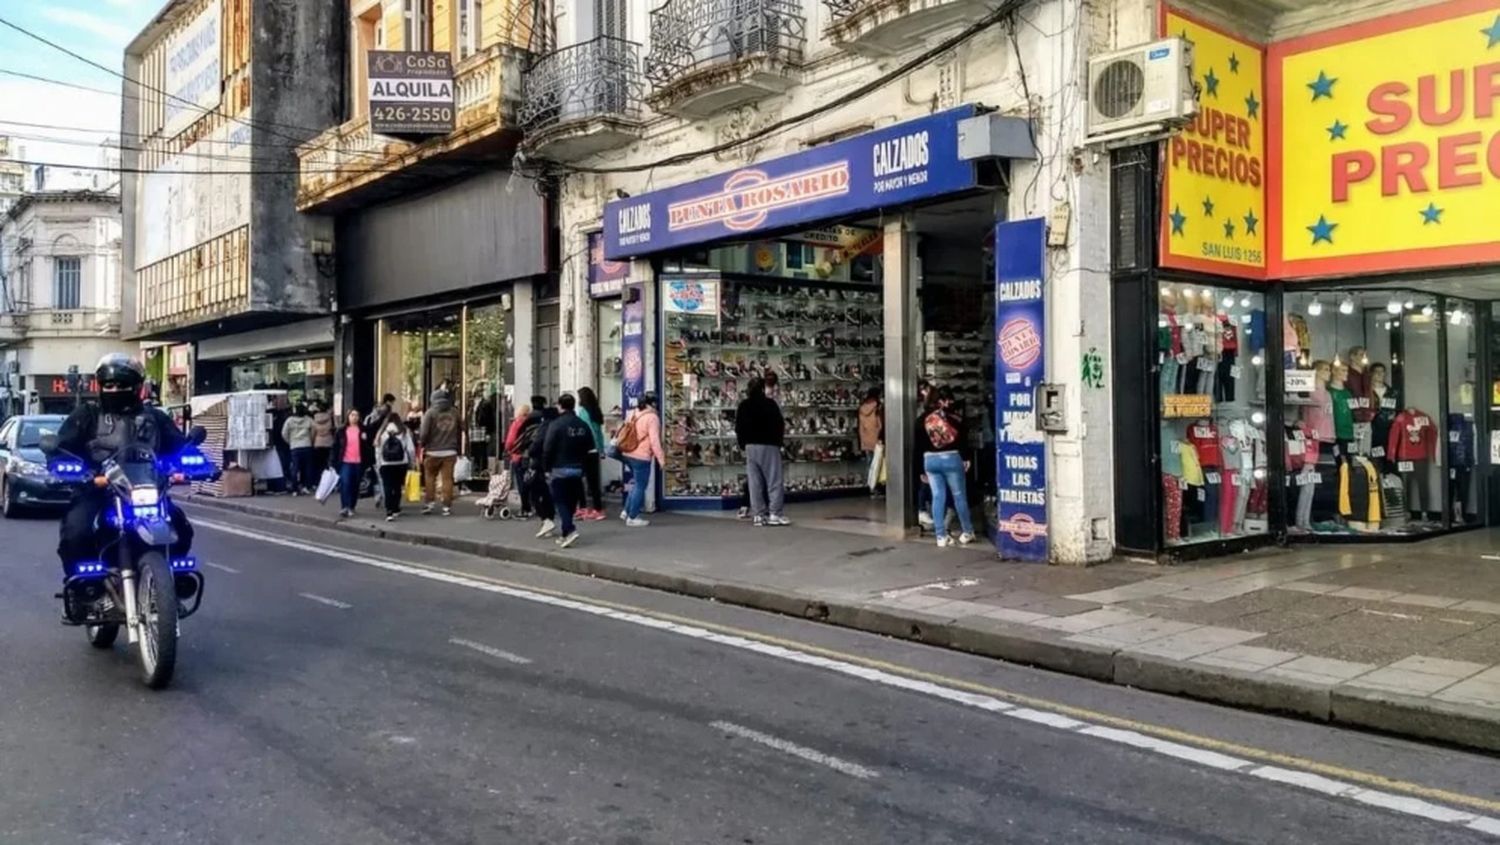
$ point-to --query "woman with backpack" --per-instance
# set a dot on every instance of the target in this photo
(638, 444)
(941, 438)
(394, 455)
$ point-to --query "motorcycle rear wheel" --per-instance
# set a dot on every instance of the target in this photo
(156, 602)
(102, 636)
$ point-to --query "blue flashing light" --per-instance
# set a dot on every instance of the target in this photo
(184, 564)
(90, 569)
(68, 470)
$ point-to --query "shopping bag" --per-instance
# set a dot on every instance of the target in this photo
(877, 460)
(882, 468)
(463, 470)
(413, 486)
(328, 483)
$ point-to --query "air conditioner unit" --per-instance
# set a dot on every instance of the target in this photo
(1141, 90)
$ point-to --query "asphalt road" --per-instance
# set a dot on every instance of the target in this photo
(335, 698)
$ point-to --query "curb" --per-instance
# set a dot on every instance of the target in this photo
(1422, 718)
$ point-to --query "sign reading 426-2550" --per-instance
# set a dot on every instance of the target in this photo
(411, 93)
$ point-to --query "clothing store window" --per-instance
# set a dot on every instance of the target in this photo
(487, 347)
(418, 354)
(1462, 445)
(1362, 403)
(1211, 348)
(304, 379)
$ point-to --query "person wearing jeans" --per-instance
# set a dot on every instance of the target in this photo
(567, 447)
(297, 431)
(648, 452)
(760, 430)
(941, 436)
(351, 448)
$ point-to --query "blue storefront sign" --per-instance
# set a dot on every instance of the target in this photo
(1020, 366)
(606, 278)
(633, 348)
(899, 164)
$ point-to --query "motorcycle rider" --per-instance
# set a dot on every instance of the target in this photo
(94, 433)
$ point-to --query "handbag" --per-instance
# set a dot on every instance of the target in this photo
(327, 483)
(413, 486)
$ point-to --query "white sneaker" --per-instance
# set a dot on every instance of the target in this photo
(546, 529)
(944, 542)
(777, 521)
(568, 540)
(924, 519)
(758, 522)
(637, 523)
(427, 510)
(624, 515)
(743, 514)
(965, 539)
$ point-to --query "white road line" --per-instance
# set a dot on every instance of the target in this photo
(492, 651)
(1344, 790)
(325, 600)
(219, 566)
(811, 755)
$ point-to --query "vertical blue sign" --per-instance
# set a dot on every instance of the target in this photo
(1020, 366)
(633, 347)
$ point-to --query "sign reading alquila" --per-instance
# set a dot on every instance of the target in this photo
(411, 93)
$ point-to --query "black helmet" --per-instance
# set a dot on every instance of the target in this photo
(120, 378)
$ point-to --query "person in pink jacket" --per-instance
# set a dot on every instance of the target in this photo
(642, 430)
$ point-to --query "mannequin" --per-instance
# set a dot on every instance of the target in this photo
(1343, 405)
(1318, 430)
(1384, 405)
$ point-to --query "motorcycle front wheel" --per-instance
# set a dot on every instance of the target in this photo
(156, 602)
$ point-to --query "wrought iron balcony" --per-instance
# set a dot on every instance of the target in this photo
(583, 99)
(888, 27)
(707, 55)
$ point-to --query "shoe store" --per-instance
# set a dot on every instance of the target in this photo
(1307, 345)
(792, 271)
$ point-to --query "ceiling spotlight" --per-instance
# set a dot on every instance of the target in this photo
(1457, 319)
(1393, 307)
(1208, 294)
(1258, 359)
(1347, 306)
(1186, 292)
(1315, 308)
(1245, 301)
(1410, 305)
(1427, 310)
(1258, 418)
(1229, 301)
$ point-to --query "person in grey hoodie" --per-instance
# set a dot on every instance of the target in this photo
(298, 433)
(439, 435)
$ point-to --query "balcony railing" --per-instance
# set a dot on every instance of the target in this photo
(350, 155)
(692, 36)
(886, 27)
(596, 79)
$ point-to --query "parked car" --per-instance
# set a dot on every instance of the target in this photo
(26, 483)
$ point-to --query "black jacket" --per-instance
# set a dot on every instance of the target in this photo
(758, 422)
(154, 430)
(569, 442)
(341, 439)
(536, 456)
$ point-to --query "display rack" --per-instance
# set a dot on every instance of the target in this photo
(963, 362)
(825, 346)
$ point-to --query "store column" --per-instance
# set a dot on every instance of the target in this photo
(899, 291)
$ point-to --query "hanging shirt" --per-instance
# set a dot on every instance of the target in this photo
(1460, 441)
(1343, 405)
(1204, 436)
(1413, 437)
(1229, 334)
(1171, 461)
(1318, 416)
(1192, 471)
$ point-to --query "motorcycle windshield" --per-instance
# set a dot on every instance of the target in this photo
(140, 474)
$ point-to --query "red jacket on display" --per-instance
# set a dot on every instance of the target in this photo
(1413, 437)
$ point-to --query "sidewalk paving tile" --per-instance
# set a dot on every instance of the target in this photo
(1426, 601)
(1455, 670)
(1367, 594)
(1101, 618)
(957, 609)
(1011, 614)
(1134, 633)
(1191, 643)
(1479, 606)
(1310, 587)
(1322, 670)
(1401, 682)
(916, 602)
(1248, 658)
(1483, 688)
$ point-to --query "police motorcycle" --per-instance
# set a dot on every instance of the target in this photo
(135, 584)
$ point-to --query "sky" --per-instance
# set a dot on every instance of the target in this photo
(98, 29)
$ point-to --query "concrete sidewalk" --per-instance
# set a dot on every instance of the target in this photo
(1401, 638)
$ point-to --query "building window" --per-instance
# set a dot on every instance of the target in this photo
(470, 21)
(67, 283)
(416, 21)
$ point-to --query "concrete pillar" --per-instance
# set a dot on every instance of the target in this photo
(524, 305)
(902, 322)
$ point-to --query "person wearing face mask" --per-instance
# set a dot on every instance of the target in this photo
(395, 452)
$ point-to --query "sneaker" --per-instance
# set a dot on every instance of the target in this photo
(390, 517)
(427, 510)
(743, 514)
(546, 529)
(345, 514)
(777, 521)
(944, 542)
(924, 519)
(758, 521)
(624, 515)
(447, 511)
(637, 523)
(568, 540)
(965, 539)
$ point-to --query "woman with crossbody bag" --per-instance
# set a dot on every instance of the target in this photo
(638, 445)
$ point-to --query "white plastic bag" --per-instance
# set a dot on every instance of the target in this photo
(877, 460)
(463, 470)
(327, 484)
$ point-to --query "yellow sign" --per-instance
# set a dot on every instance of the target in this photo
(1213, 216)
(1385, 143)
(1186, 405)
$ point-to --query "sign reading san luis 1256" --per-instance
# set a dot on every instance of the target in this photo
(899, 164)
(1215, 193)
(1385, 143)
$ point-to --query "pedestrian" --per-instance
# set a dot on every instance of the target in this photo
(515, 458)
(376, 418)
(534, 437)
(940, 440)
(592, 416)
(569, 442)
(924, 489)
(639, 445)
(394, 454)
(277, 408)
(350, 454)
(871, 435)
(760, 430)
(322, 425)
(439, 436)
(297, 430)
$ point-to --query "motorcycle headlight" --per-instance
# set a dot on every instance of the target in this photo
(145, 497)
(31, 470)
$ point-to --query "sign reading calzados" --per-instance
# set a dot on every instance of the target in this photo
(411, 93)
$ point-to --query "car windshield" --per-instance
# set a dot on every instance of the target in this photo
(32, 432)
